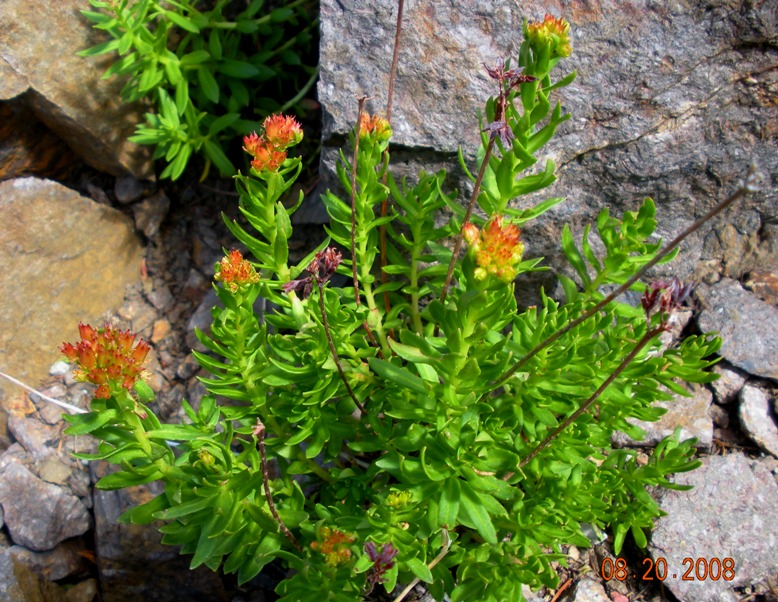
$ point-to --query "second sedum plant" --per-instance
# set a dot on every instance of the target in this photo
(396, 417)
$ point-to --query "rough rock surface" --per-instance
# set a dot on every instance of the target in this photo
(673, 100)
(728, 514)
(66, 91)
(590, 590)
(39, 515)
(758, 419)
(65, 259)
(748, 327)
(730, 381)
(688, 413)
(128, 554)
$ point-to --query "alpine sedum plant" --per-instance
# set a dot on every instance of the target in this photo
(385, 425)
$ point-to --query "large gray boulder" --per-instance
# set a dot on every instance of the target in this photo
(673, 100)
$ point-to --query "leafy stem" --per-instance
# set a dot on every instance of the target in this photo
(644, 340)
(750, 185)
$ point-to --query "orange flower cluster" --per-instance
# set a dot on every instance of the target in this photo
(269, 150)
(551, 32)
(497, 249)
(234, 271)
(334, 545)
(374, 128)
(107, 357)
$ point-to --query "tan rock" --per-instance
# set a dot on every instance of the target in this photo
(65, 259)
(66, 91)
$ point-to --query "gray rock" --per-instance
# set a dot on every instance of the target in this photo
(727, 387)
(728, 514)
(590, 590)
(187, 368)
(150, 213)
(758, 419)
(161, 297)
(59, 368)
(128, 189)
(719, 415)
(201, 319)
(195, 285)
(49, 412)
(66, 91)
(661, 106)
(689, 413)
(37, 438)
(748, 327)
(75, 258)
(140, 315)
(39, 515)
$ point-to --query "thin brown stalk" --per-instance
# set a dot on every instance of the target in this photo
(395, 59)
(644, 340)
(334, 351)
(562, 589)
(470, 206)
(259, 431)
(749, 186)
(441, 555)
(389, 101)
(360, 110)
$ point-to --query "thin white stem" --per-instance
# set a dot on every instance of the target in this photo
(72, 409)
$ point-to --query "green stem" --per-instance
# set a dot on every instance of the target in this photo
(415, 313)
(318, 470)
(140, 433)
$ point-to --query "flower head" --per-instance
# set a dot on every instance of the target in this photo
(234, 271)
(497, 249)
(551, 32)
(374, 128)
(266, 156)
(334, 544)
(269, 150)
(282, 131)
(107, 357)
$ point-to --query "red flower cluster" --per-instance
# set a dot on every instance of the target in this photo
(106, 357)
(234, 271)
(334, 545)
(374, 128)
(269, 150)
(497, 249)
